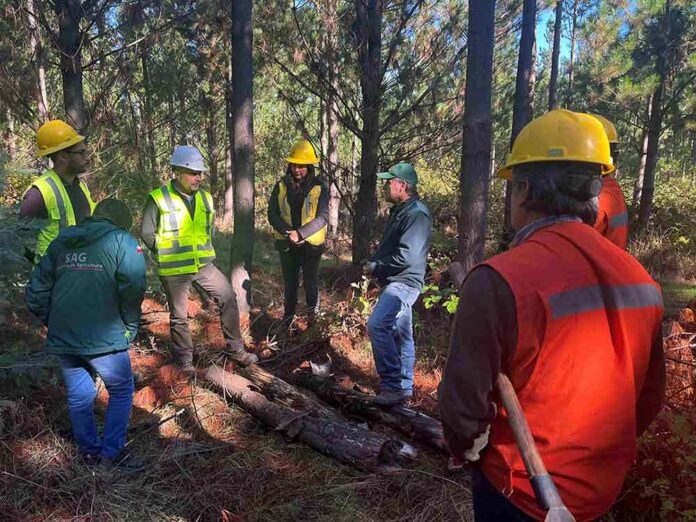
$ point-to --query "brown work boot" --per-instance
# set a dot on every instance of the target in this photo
(240, 355)
(388, 398)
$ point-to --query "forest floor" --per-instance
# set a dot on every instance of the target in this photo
(209, 460)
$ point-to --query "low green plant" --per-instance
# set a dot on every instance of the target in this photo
(361, 301)
(446, 298)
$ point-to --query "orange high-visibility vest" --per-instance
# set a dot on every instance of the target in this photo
(587, 316)
(612, 218)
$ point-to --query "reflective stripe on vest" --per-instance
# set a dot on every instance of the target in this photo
(183, 245)
(612, 216)
(309, 212)
(587, 316)
(58, 207)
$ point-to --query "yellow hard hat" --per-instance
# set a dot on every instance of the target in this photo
(56, 135)
(608, 128)
(303, 154)
(560, 135)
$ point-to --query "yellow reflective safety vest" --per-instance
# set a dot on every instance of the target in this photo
(58, 206)
(183, 245)
(309, 212)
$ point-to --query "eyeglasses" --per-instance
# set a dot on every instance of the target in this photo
(80, 152)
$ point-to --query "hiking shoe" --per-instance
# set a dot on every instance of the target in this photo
(189, 371)
(391, 397)
(243, 357)
(90, 459)
(123, 462)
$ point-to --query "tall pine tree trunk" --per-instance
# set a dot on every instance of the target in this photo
(638, 187)
(369, 28)
(149, 133)
(228, 206)
(331, 116)
(524, 91)
(555, 55)
(243, 152)
(39, 69)
(571, 61)
(651, 156)
(69, 46)
(476, 148)
(8, 135)
(655, 124)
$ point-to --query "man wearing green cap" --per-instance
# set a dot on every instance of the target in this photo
(399, 267)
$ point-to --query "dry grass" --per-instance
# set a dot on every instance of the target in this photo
(208, 460)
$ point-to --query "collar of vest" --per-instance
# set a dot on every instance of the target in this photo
(529, 229)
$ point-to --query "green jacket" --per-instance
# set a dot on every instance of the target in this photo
(402, 254)
(88, 289)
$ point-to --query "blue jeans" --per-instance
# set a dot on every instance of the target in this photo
(115, 370)
(390, 328)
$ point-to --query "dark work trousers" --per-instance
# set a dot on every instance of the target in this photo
(490, 505)
(216, 285)
(292, 259)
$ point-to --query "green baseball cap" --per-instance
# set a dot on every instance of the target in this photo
(404, 171)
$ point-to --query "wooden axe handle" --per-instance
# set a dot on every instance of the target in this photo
(544, 488)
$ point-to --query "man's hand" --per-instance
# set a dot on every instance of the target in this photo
(294, 236)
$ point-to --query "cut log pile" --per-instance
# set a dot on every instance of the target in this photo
(312, 423)
(412, 423)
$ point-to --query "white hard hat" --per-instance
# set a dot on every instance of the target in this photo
(188, 157)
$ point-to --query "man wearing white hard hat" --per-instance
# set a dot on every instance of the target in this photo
(177, 227)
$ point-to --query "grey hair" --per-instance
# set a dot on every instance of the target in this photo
(558, 188)
(410, 189)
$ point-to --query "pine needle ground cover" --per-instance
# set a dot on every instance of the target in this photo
(208, 460)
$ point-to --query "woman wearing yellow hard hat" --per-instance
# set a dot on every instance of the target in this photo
(59, 195)
(298, 211)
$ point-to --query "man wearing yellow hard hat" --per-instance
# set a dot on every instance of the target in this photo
(573, 321)
(298, 211)
(612, 218)
(59, 195)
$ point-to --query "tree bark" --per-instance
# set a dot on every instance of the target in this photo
(280, 391)
(38, 54)
(242, 152)
(476, 147)
(651, 157)
(69, 46)
(8, 136)
(571, 61)
(150, 136)
(638, 187)
(228, 206)
(369, 29)
(358, 447)
(523, 107)
(408, 421)
(211, 141)
(555, 55)
(331, 149)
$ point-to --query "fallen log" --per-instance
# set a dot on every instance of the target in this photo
(349, 443)
(280, 391)
(408, 421)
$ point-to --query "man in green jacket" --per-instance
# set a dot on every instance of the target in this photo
(88, 289)
(399, 266)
